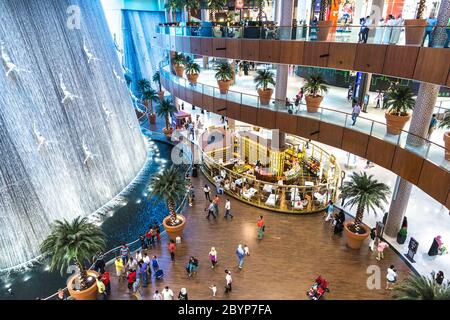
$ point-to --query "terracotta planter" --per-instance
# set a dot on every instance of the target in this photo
(179, 70)
(88, 294)
(176, 231)
(355, 240)
(192, 77)
(167, 132)
(313, 103)
(447, 145)
(152, 118)
(324, 30)
(138, 113)
(161, 95)
(264, 96)
(395, 124)
(224, 86)
(414, 31)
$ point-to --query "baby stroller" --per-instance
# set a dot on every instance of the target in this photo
(318, 289)
(159, 274)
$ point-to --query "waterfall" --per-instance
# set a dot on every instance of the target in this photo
(60, 156)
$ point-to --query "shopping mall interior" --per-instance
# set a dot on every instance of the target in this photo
(224, 150)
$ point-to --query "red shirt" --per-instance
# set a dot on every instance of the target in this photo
(260, 223)
(105, 278)
(148, 234)
(171, 247)
(132, 277)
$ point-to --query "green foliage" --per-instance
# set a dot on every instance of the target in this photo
(157, 79)
(70, 242)
(315, 85)
(400, 100)
(166, 109)
(365, 192)
(178, 59)
(143, 85)
(445, 122)
(192, 68)
(416, 287)
(263, 78)
(403, 232)
(216, 5)
(224, 71)
(150, 95)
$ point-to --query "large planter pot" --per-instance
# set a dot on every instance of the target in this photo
(176, 231)
(313, 103)
(395, 124)
(179, 70)
(152, 118)
(447, 145)
(414, 31)
(168, 132)
(192, 78)
(88, 294)
(161, 95)
(401, 239)
(324, 30)
(355, 240)
(264, 96)
(224, 86)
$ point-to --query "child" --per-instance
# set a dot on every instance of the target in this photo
(246, 250)
(213, 289)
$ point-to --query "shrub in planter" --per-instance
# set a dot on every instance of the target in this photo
(170, 185)
(367, 194)
(224, 75)
(75, 242)
(192, 71)
(402, 235)
(149, 96)
(314, 90)
(166, 110)
(262, 79)
(178, 61)
(157, 79)
(399, 102)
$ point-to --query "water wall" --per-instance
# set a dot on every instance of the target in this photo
(69, 137)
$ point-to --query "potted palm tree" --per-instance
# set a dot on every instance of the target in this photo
(178, 62)
(215, 6)
(170, 185)
(399, 102)
(192, 71)
(367, 194)
(166, 110)
(75, 242)
(314, 90)
(323, 24)
(224, 76)
(157, 79)
(445, 124)
(415, 28)
(172, 6)
(149, 96)
(190, 5)
(418, 287)
(262, 79)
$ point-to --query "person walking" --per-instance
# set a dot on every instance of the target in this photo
(380, 248)
(167, 293)
(261, 227)
(330, 210)
(155, 264)
(210, 210)
(191, 195)
(246, 250)
(432, 127)
(192, 266)
(228, 281)
(171, 246)
(429, 30)
(207, 191)
(183, 294)
(213, 289)
(373, 236)
(101, 288)
(119, 268)
(240, 255)
(131, 278)
(216, 203)
(104, 276)
(213, 257)
(124, 253)
(228, 209)
(391, 277)
(379, 99)
(157, 295)
(355, 113)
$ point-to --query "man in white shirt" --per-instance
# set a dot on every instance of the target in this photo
(227, 209)
(167, 293)
(207, 191)
(157, 295)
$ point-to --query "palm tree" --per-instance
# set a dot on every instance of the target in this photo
(171, 186)
(400, 100)
(192, 68)
(143, 85)
(149, 96)
(420, 9)
(315, 85)
(166, 109)
(178, 59)
(215, 5)
(190, 5)
(173, 5)
(420, 287)
(260, 5)
(224, 72)
(157, 79)
(263, 79)
(365, 192)
(323, 9)
(75, 241)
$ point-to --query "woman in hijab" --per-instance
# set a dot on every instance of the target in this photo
(183, 294)
(434, 249)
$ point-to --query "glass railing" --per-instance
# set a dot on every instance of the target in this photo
(375, 34)
(424, 148)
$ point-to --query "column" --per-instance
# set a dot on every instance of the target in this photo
(284, 11)
(420, 122)
(167, 13)
(440, 34)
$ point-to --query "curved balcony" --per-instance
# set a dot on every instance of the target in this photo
(338, 52)
(417, 160)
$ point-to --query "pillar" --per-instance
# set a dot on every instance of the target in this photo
(284, 11)
(440, 34)
(420, 122)
(167, 13)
